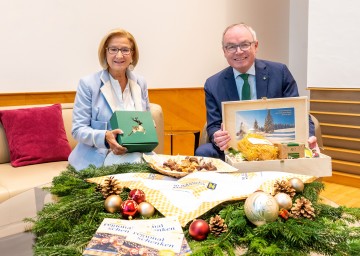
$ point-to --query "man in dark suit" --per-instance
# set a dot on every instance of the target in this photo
(262, 79)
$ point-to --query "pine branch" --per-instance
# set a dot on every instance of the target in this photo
(66, 227)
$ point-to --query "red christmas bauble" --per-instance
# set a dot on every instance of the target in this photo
(137, 195)
(199, 229)
(129, 208)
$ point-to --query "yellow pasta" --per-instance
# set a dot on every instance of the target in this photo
(257, 152)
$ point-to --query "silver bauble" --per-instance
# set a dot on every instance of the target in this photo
(146, 209)
(283, 200)
(261, 208)
(297, 184)
(113, 203)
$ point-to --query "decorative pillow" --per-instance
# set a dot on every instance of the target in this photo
(35, 135)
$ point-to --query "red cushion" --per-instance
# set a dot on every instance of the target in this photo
(35, 135)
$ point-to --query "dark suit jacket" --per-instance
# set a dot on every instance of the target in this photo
(273, 80)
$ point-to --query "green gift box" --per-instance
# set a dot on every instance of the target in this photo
(139, 130)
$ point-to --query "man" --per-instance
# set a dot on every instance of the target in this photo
(262, 79)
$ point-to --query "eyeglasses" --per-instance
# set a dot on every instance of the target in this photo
(115, 50)
(232, 48)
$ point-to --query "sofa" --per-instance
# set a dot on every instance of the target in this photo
(21, 193)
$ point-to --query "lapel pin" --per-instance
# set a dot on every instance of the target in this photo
(264, 78)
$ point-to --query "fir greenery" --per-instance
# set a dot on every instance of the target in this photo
(66, 227)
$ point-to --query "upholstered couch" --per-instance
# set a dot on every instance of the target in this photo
(20, 187)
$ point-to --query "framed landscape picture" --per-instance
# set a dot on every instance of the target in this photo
(279, 120)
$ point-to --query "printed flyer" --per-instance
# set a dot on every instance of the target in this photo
(163, 236)
(198, 192)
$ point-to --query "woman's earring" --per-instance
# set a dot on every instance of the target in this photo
(131, 67)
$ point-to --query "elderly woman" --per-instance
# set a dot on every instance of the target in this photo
(98, 95)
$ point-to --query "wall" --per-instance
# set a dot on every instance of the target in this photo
(333, 53)
(49, 45)
(298, 41)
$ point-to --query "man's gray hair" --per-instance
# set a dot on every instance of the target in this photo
(251, 30)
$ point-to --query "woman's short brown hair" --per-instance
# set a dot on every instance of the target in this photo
(104, 43)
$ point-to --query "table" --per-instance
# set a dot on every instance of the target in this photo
(172, 133)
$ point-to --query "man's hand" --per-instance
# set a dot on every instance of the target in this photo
(313, 144)
(115, 147)
(222, 138)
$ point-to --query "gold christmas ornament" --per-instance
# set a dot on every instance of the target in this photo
(113, 203)
(284, 201)
(146, 209)
(261, 208)
(297, 184)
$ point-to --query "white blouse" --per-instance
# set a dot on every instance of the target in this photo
(124, 100)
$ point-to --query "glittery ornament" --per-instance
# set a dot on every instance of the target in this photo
(137, 195)
(283, 200)
(199, 229)
(113, 203)
(146, 209)
(129, 208)
(261, 208)
(297, 184)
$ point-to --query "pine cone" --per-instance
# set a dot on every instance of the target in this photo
(284, 186)
(302, 208)
(109, 187)
(217, 225)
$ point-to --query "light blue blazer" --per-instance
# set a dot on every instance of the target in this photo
(93, 108)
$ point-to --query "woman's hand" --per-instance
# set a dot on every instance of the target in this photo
(115, 147)
(222, 138)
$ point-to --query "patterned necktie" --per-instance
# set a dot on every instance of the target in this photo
(245, 94)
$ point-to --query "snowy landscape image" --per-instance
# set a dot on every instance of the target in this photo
(277, 124)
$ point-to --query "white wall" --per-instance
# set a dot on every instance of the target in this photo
(334, 51)
(47, 45)
(298, 42)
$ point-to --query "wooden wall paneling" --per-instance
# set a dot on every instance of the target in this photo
(50, 98)
(337, 118)
(333, 94)
(346, 167)
(343, 154)
(333, 106)
(341, 142)
(338, 112)
(339, 130)
(36, 98)
(184, 109)
(12, 99)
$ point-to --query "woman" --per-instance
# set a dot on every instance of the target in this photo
(116, 87)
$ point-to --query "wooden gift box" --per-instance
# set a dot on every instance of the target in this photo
(289, 122)
(139, 130)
